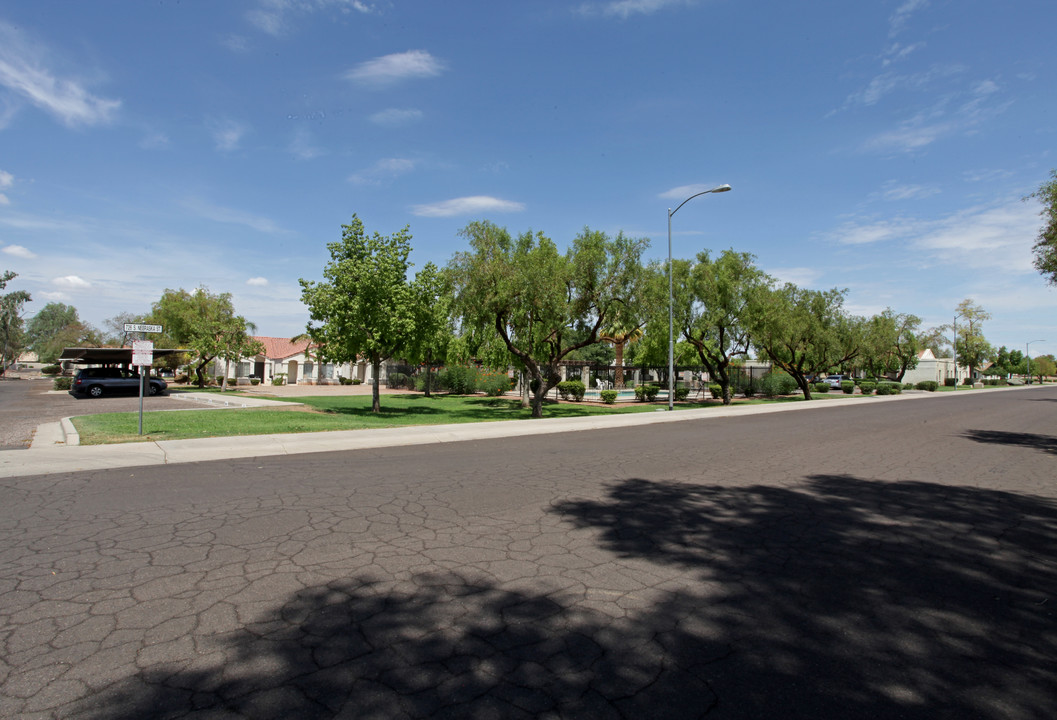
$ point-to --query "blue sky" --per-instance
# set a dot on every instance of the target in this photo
(879, 146)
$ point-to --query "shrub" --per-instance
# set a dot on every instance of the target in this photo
(967, 381)
(821, 387)
(182, 379)
(885, 388)
(608, 396)
(494, 383)
(255, 381)
(867, 387)
(847, 386)
(777, 383)
(716, 390)
(571, 389)
(396, 380)
(929, 385)
(459, 379)
(646, 393)
(356, 381)
(433, 381)
(50, 370)
(681, 393)
(950, 382)
(62, 383)
(908, 386)
(279, 379)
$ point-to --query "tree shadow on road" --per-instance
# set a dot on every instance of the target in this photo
(841, 598)
(1046, 443)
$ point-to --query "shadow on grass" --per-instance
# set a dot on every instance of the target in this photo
(844, 598)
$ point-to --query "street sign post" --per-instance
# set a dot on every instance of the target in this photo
(140, 328)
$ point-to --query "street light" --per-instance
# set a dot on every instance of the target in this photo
(671, 336)
(1027, 354)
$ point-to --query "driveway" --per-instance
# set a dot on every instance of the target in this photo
(26, 404)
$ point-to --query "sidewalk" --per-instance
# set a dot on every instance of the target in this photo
(55, 448)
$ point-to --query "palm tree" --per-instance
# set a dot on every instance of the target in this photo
(619, 337)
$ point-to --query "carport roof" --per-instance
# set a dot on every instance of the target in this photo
(108, 356)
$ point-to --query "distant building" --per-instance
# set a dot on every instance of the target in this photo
(930, 367)
(298, 363)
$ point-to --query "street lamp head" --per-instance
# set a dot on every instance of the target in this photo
(722, 188)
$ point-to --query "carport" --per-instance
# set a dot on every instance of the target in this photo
(108, 355)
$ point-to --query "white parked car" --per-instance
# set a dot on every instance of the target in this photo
(834, 381)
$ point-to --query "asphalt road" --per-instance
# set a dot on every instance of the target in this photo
(894, 560)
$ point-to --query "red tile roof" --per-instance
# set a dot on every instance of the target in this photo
(282, 348)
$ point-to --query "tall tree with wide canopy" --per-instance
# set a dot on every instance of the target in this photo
(973, 349)
(365, 305)
(56, 327)
(12, 335)
(805, 332)
(205, 324)
(890, 344)
(434, 327)
(713, 300)
(535, 297)
(1045, 249)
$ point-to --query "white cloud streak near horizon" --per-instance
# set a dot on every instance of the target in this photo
(466, 206)
(389, 69)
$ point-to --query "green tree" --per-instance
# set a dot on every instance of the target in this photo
(434, 330)
(712, 303)
(57, 327)
(535, 297)
(935, 339)
(12, 335)
(205, 324)
(1045, 249)
(1043, 366)
(365, 305)
(973, 349)
(890, 344)
(805, 332)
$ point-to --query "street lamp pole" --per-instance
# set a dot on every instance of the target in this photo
(954, 348)
(1027, 355)
(671, 335)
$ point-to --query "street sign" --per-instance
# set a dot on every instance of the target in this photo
(142, 353)
(136, 327)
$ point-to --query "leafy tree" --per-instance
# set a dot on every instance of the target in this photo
(205, 324)
(535, 298)
(935, 339)
(712, 304)
(1043, 366)
(365, 304)
(890, 344)
(434, 328)
(57, 327)
(805, 332)
(1045, 249)
(973, 350)
(12, 335)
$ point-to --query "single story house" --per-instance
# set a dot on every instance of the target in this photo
(930, 367)
(297, 361)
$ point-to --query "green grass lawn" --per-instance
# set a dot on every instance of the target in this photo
(319, 413)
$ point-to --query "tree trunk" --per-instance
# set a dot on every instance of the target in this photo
(376, 368)
(525, 390)
(227, 371)
(619, 362)
(429, 378)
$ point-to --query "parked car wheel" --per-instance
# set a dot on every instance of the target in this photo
(95, 391)
(153, 389)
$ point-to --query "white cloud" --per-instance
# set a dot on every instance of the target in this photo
(800, 276)
(272, 16)
(52, 296)
(388, 69)
(383, 171)
(72, 281)
(899, 191)
(466, 206)
(897, 52)
(6, 181)
(897, 23)
(233, 217)
(887, 83)
(19, 252)
(302, 146)
(23, 73)
(257, 281)
(394, 117)
(626, 8)
(227, 133)
(684, 191)
(997, 238)
(856, 234)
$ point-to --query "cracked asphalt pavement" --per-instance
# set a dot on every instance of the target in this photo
(892, 560)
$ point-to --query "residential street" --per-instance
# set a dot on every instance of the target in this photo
(879, 560)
